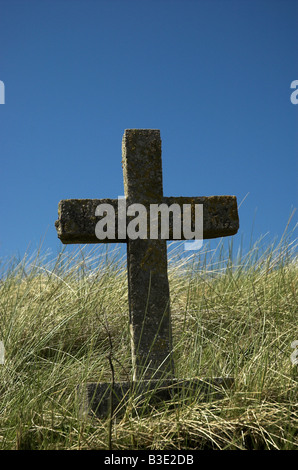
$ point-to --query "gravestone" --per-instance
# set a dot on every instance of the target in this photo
(148, 287)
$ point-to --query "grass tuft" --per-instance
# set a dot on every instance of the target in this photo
(232, 315)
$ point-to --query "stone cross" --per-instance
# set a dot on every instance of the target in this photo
(148, 286)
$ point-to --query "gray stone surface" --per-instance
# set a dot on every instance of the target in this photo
(76, 217)
(96, 398)
(148, 287)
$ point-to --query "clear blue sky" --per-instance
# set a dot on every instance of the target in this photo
(213, 75)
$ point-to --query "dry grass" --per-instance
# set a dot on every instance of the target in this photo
(231, 317)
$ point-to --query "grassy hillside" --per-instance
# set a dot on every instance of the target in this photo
(231, 315)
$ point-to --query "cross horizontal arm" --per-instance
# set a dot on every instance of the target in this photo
(77, 220)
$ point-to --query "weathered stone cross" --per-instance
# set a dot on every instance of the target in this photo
(148, 287)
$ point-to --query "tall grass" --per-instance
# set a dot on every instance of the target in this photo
(232, 315)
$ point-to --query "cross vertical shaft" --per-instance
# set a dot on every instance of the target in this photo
(149, 298)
